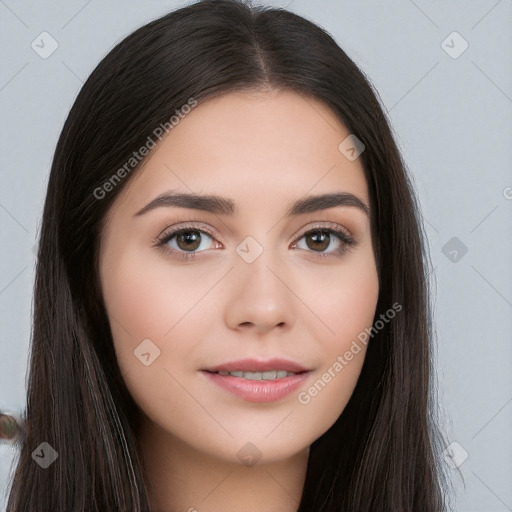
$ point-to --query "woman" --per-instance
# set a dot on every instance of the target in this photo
(231, 304)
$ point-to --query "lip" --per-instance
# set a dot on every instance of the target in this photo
(257, 390)
(258, 365)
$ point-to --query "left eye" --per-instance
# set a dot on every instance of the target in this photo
(320, 239)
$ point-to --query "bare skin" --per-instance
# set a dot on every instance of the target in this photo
(205, 448)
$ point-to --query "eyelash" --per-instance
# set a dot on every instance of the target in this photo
(346, 240)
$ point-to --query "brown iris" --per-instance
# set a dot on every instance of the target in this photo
(321, 240)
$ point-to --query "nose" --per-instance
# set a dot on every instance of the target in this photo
(260, 297)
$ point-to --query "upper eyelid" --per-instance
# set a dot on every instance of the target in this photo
(199, 226)
(192, 225)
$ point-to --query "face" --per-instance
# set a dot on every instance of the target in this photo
(246, 281)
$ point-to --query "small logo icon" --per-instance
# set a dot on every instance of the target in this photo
(249, 454)
(249, 249)
(351, 147)
(454, 45)
(454, 249)
(44, 45)
(455, 455)
(44, 455)
(146, 352)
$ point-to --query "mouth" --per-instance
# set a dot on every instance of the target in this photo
(255, 375)
(253, 368)
(258, 381)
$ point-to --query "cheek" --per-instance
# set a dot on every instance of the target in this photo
(148, 298)
(151, 300)
(344, 299)
(345, 310)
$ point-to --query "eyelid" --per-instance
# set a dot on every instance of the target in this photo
(171, 231)
(325, 224)
(200, 226)
(321, 224)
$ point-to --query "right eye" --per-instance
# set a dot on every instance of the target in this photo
(184, 242)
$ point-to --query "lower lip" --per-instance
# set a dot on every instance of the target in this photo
(258, 390)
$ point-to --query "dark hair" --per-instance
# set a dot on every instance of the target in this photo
(383, 452)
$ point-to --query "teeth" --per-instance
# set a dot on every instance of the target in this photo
(270, 375)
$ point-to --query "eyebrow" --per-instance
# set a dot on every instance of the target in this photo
(226, 206)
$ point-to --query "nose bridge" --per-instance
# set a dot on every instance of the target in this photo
(258, 265)
(259, 294)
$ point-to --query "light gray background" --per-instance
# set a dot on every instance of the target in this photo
(453, 123)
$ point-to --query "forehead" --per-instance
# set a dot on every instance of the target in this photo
(258, 147)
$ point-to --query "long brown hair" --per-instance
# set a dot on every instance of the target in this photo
(383, 452)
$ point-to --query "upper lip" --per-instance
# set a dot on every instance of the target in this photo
(259, 365)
